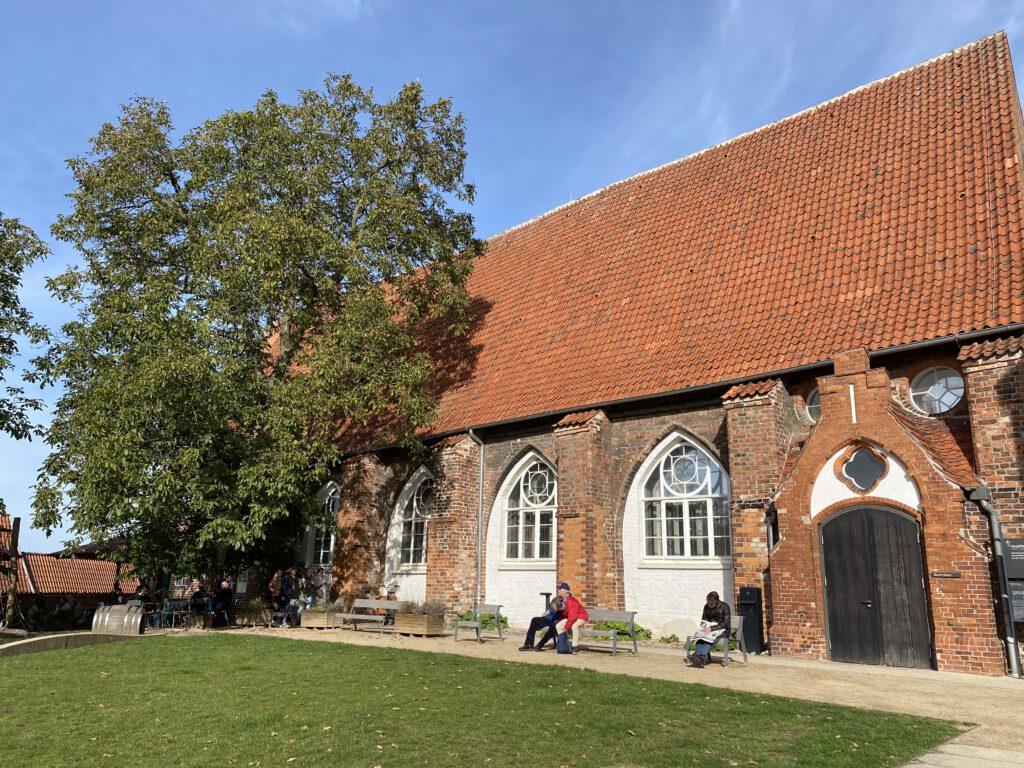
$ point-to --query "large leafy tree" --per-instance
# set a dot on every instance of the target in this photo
(244, 290)
(19, 248)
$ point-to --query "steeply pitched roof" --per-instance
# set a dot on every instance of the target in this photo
(886, 216)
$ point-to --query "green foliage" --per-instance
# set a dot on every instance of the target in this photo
(331, 704)
(19, 248)
(642, 633)
(669, 639)
(243, 291)
(486, 620)
(256, 603)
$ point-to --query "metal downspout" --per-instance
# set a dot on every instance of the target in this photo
(479, 518)
(981, 496)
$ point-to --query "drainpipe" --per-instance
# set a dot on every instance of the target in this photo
(479, 518)
(981, 497)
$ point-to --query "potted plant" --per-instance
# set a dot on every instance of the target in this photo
(420, 619)
(320, 616)
(254, 611)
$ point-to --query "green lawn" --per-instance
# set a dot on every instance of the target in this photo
(232, 699)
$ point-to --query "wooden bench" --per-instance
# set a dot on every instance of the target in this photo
(736, 630)
(479, 610)
(609, 636)
(369, 612)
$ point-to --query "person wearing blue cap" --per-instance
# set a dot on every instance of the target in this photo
(571, 615)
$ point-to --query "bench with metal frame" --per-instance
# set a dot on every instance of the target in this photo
(609, 638)
(365, 611)
(476, 623)
(722, 641)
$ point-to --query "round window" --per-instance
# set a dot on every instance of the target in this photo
(937, 390)
(812, 404)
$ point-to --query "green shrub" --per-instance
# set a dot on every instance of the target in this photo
(486, 620)
(642, 633)
(670, 638)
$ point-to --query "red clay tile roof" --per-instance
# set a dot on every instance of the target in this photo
(753, 389)
(72, 576)
(995, 348)
(577, 419)
(937, 442)
(886, 216)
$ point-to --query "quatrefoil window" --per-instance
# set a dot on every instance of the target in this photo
(862, 468)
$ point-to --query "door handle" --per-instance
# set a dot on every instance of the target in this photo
(866, 603)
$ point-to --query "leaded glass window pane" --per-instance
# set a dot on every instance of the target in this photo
(699, 544)
(723, 541)
(652, 528)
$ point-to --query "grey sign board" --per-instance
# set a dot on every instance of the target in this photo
(1013, 558)
(1017, 600)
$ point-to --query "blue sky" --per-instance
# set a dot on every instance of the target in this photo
(560, 98)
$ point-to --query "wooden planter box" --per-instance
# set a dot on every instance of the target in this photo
(315, 619)
(416, 624)
(254, 618)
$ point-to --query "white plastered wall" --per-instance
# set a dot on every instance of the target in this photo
(514, 586)
(896, 485)
(668, 597)
(411, 579)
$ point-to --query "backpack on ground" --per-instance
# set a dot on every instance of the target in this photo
(562, 643)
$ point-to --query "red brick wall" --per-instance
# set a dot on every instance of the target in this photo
(761, 429)
(963, 626)
(995, 393)
(451, 531)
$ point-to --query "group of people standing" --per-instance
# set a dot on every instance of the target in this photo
(295, 589)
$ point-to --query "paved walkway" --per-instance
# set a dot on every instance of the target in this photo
(990, 710)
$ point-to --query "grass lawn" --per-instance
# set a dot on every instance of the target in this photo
(233, 699)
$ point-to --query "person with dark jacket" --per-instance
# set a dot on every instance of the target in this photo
(222, 601)
(546, 621)
(717, 615)
(572, 616)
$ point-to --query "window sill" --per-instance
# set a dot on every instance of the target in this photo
(411, 570)
(687, 563)
(527, 565)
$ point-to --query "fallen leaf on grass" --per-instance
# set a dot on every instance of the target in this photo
(570, 701)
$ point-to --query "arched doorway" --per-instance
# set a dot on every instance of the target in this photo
(875, 601)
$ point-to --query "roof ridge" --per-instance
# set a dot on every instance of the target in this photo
(998, 35)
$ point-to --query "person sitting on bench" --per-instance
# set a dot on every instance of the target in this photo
(718, 615)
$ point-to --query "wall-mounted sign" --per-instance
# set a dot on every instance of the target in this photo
(1013, 558)
(1017, 600)
(945, 574)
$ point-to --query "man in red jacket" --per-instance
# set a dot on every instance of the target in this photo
(574, 615)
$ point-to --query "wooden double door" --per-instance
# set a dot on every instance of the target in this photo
(875, 600)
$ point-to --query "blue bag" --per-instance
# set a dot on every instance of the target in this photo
(562, 643)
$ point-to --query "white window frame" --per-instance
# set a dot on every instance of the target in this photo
(398, 520)
(518, 480)
(706, 491)
(917, 393)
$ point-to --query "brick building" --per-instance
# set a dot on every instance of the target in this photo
(786, 362)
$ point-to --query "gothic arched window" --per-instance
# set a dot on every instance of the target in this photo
(686, 506)
(530, 514)
(414, 523)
